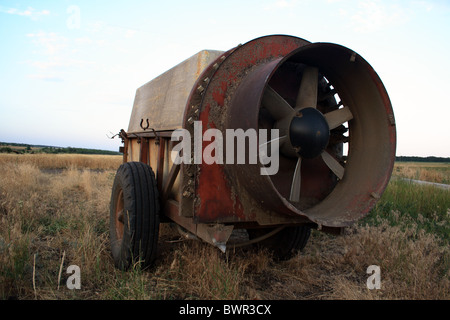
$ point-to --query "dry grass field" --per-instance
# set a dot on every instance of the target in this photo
(54, 213)
(432, 172)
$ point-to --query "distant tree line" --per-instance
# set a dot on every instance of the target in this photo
(76, 150)
(7, 150)
(421, 159)
(24, 148)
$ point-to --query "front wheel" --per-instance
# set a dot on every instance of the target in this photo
(134, 216)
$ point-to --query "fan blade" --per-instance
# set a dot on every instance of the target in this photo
(277, 106)
(296, 182)
(333, 164)
(337, 117)
(264, 148)
(307, 94)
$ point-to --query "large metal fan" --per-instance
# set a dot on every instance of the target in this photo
(304, 131)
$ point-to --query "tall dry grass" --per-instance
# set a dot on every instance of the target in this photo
(46, 215)
(63, 161)
(43, 215)
(431, 172)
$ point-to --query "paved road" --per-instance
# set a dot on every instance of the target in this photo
(438, 185)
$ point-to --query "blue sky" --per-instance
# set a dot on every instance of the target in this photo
(69, 69)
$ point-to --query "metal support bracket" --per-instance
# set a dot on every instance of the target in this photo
(216, 234)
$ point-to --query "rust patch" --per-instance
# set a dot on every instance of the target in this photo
(217, 201)
(220, 92)
(216, 196)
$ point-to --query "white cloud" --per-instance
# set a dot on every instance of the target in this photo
(426, 5)
(374, 15)
(46, 77)
(83, 41)
(54, 54)
(281, 4)
(103, 29)
(130, 33)
(49, 43)
(29, 12)
(59, 62)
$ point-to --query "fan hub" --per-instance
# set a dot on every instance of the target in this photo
(309, 133)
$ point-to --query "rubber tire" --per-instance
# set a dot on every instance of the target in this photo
(286, 243)
(139, 243)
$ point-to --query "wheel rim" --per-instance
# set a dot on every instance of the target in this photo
(119, 216)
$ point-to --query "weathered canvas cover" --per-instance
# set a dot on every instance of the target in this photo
(163, 99)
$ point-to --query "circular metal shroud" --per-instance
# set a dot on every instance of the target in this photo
(232, 100)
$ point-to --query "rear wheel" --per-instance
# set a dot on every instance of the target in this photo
(285, 243)
(134, 216)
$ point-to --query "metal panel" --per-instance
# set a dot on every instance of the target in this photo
(162, 100)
